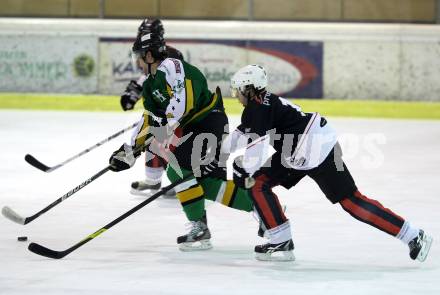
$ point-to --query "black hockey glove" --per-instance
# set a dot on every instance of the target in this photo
(131, 95)
(213, 169)
(241, 177)
(123, 158)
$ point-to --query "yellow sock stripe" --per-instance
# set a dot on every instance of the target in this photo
(229, 192)
(189, 96)
(205, 109)
(190, 194)
(143, 132)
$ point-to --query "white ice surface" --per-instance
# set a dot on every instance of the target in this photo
(335, 253)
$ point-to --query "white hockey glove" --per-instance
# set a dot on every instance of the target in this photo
(131, 95)
(123, 158)
(241, 177)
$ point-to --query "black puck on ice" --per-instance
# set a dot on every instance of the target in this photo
(22, 239)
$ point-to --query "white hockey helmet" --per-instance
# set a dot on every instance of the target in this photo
(254, 75)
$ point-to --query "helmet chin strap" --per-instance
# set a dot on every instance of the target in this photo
(149, 65)
(149, 68)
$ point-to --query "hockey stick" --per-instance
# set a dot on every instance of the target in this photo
(14, 216)
(43, 251)
(37, 164)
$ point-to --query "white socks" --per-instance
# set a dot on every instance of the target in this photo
(153, 175)
(280, 234)
(407, 232)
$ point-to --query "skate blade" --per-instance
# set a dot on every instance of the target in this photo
(425, 249)
(169, 195)
(148, 193)
(144, 193)
(195, 246)
(276, 256)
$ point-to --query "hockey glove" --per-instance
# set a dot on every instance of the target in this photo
(131, 95)
(123, 158)
(213, 169)
(241, 177)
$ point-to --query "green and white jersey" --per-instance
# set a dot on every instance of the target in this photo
(178, 92)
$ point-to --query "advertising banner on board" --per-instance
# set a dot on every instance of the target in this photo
(48, 64)
(294, 68)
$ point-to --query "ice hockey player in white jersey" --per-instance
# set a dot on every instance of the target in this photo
(305, 145)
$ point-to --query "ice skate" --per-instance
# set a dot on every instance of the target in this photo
(419, 246)
(148, 188)
(198, 237)
(275, 252)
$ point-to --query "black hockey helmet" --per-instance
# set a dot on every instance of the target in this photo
(152, 42)
(151, 25)
(150, 38)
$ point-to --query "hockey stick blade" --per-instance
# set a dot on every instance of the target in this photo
(41, 250)
(46, 252)
(12, 215)
(37, 164)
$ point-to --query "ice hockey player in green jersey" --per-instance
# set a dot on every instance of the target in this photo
(177, 100)
(154, 166)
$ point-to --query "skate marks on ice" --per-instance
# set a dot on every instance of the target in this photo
(165, 201)
(140, 255)
(230, 260)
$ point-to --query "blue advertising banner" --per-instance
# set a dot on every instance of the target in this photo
(294, 68)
